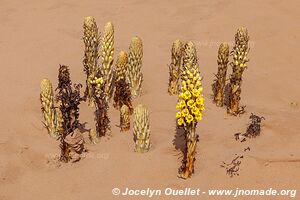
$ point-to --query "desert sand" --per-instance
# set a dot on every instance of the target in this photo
(37, 36)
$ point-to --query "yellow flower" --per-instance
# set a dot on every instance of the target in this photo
(195, 111)
(201, 108)
(181, 95)
(198, 84)
(185, 112)
(180, 121)
(196, 93)
(188, 81)
(190, 102)
(200, 100)
(192, 86)
(178, 115)
(189, 118)
(181, 104)
(187, 94)
(198, 117)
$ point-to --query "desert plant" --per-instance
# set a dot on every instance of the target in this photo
(69, 97)
(239, 64)
(122, 96)
(141, 131)
(91, 54)
(122, 91)
(174, 67)
(47, 101)
(219, 84)
(125, 113)
(134, 73)
(107, 47)
(121, 66)
(101, 105)
(191, 108)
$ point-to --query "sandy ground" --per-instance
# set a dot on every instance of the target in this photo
(37, 36)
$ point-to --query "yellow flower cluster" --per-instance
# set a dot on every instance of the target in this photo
(97, 82)
(191, 101)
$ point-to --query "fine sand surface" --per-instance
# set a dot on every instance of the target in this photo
(37, 36)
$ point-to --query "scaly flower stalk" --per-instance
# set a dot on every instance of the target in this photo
(239, 64)
(91, 54)
(48, 109)
(101, 112)
(219, 84)
(135, 76)
(107, 55)
(122, 96)
(174, 68)
(141, 130)
(191, 108)
(122, 92)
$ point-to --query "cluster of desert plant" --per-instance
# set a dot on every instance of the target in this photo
(123, 79)
(103, 80)
(239, 64)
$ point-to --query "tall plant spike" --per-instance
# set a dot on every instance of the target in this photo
(122, 91)
(101, 104)
(191, 105)
(107, 47)
(135, 76)
(219, 84)
(239, 64)
(91, 54)
(141, 130)
(48, 109)
(174, 68)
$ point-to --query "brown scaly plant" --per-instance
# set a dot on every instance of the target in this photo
(71, 140)
(122, 95)
(239, 64)
(174, 67)
(219, 83)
